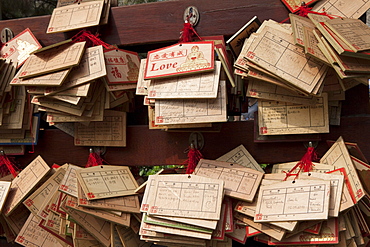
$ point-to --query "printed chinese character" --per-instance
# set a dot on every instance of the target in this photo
(116, 73)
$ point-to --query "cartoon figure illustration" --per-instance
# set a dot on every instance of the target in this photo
(24, 49)
(133, 69)
(195, 60)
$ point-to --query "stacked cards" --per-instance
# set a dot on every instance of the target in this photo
(74, 83)
(183, 86)
(299, 71)
(312, 209)
(71, 15)
(197, 209)
(15, 123)
(224, 200)
(71, 206)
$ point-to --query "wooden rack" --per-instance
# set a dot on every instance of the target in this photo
(141, 27)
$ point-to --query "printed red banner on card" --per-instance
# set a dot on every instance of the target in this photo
(179, 59)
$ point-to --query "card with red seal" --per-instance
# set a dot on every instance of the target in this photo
(339, 157)
(289, 63)
(52, 225)
(189, 111)
(69, 182)
(75, 16)
(32, 235)
(124, 203)
(180, 59)
(350, 9)
(54, 59)
(282, 118)
(36, 201)
(122, 66)
(293, 200)
(25, 181)
(4, 190)
(240, 182)
(100, 182)
(202, 85)
(188, 196)
(298, 23)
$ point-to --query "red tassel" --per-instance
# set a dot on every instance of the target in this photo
(187, 33)
(9, 166)
(304, 10)
(305, 164)
(91, 40)
(194, 156)
(95, 160)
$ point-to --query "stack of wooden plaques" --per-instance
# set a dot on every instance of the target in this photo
(68, 206)
(17, 126)
(287, 208)
(184, 86)
(82, 83)
(224, 200)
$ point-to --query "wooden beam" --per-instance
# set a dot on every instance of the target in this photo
(155, 147)
(162, 21)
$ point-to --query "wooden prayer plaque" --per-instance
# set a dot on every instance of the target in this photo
(180, 59)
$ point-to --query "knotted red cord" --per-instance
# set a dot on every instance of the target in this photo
(194, 156)
(304, 10)
(9, 166)
(305, 164)
(95, 160)
(91, 40)
(188, 32)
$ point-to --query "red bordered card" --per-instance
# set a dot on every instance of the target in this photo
(180, 59)
(18, 49)
(122, 66)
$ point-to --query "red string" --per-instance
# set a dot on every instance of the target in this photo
(95, 160)
(194, 156)
(304, 164)
(188, 32)
(91, 40)
(10, 167)
(304, 10)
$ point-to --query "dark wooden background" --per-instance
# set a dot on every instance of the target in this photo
(142, 27)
